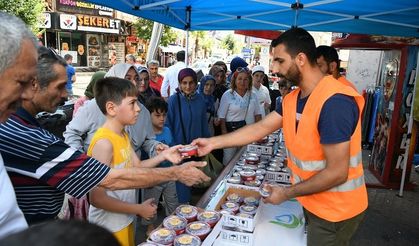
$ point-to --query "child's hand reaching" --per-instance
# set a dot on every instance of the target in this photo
(147, 209)
(172, 154)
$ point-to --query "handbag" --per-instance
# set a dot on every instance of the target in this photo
(234, 125)
(212, 170)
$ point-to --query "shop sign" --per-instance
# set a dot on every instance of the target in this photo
(79, 7)
(132, 39)
(98, 24)
(45, 20)
(68, 22)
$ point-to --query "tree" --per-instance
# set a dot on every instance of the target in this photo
(229, 43)
(28, 10)
(202, 41)
(144, 29)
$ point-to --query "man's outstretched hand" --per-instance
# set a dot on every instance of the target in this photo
(189, 174)
(204, 146)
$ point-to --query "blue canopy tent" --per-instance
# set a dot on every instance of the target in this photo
(387, 17)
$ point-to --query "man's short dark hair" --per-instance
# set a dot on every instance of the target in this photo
(63, 233)
(180, 56)
(47, 58)
(156, 104)
(68, 57)
(113, 89)
(297, 40)
(329, 54)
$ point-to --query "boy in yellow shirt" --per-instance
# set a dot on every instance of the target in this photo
(116, 210)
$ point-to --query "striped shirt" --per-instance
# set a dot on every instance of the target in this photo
(42, 167)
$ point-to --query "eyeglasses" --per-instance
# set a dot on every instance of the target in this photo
(242, 69)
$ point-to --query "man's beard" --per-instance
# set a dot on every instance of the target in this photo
(293, 75)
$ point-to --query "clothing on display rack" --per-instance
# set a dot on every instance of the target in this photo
(372, 100)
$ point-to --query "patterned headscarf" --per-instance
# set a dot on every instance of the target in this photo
(209, 99)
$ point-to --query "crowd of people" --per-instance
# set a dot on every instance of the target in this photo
(129, 125)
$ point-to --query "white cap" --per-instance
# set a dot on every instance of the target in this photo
(258, 69)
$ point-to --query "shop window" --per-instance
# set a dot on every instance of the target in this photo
(73, 44)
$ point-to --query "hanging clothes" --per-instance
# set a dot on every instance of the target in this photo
(376, 100)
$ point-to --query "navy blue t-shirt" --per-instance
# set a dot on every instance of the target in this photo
(338, 118)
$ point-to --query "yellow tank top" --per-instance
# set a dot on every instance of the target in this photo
(121, 157)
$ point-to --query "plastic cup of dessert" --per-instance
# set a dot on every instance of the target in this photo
(175, 223)
(187, 211)
(188, 151)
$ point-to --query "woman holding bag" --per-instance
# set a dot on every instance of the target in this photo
(187, 118)
(238, 107)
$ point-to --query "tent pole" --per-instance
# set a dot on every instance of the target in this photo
(296, 12)
(45, 39)
(187, 28)
(187, 49)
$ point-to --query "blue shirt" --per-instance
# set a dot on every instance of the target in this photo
(165, 137)
(338, 118)
(70, 73)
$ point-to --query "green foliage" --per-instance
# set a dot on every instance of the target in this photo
(202, 41)
(144, 29)
(28, 10)
(229, 43)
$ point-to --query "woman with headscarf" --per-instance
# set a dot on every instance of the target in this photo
(88, 93)
(186, 118)
(206, 89)
(144, 88)
(238, 107)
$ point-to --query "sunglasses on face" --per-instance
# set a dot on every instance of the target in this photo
(242, 69)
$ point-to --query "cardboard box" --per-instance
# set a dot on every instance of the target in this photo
(211, 238)
(265, 158)
(243, 187)
(283, 177)
(244, 224)
(236, 238)
(260, 149)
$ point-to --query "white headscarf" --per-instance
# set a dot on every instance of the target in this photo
(120, 70)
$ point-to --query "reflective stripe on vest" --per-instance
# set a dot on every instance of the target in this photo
(347, 186)
(320, 165)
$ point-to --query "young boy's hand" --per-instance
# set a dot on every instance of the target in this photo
(172, 154)
(147, 209)
(160, 148)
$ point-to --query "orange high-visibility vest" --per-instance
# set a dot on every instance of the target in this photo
(306, 157)
(344, 81)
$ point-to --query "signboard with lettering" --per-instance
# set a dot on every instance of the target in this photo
(79, 7)
(116, 52)
(90, 23)
(98, 24)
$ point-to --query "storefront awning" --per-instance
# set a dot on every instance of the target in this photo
(266, 34)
